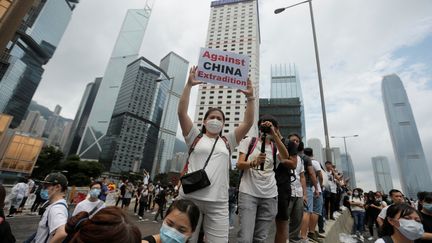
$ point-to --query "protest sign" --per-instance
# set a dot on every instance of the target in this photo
(223, 68)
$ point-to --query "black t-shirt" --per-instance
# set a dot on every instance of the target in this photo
(427, 225)
(150, 239)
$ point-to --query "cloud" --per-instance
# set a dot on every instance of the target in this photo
(358, 43)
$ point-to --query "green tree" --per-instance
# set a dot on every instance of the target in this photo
(47, 162)
(79, 173)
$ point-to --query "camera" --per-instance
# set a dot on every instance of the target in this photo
(265, 129)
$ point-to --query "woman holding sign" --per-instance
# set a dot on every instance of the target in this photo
(206, 182)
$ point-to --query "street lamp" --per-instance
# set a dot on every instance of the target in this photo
(280, 10)
(344, 138)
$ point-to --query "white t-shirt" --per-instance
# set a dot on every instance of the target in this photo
(380, 240)
(357, 200)
(331, 184)
(296, 187)
(217, 168)
(383, 213)
(256, 182)
(317, 168)
(87, 205)
(57, 215)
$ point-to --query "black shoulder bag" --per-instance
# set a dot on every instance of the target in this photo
(198, 179)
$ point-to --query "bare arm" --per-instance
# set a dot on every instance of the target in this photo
(248, 119)
(184, 119)
(59, 235)
(313, 177)
(380, 221)
(320, 178)
(242, 164)
(303, 184)
(290, 163)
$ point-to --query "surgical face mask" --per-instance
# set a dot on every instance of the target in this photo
(94, 193)
(411, 229)
(428, 207)
(214, 126)
(355, 194)
(44, 194)
(378, 199)
(169, 234)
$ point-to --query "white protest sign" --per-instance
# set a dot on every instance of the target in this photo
(223, 68)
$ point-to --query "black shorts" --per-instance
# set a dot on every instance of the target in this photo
(283, 203)
(126, 201)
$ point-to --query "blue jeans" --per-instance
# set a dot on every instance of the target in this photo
(358, 221)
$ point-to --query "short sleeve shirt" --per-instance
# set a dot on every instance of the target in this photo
(256, 182)
(57, 215)
(317, 169)
(383, 212)
(296, 187)
(87, 206)
(217, 168)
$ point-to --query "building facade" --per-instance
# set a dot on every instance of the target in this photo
(382, 174)
(407, 147)
(81, 117)
(135, 123)
(317, 148)
(347, 169)
(233, 26)
(177, 69)
(125, 51)
(285, 84)
(32, 46)
(286, 111)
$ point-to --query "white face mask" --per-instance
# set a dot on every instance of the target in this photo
(411, 229)
(214, 126)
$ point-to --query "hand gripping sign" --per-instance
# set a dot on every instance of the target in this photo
(223, 68)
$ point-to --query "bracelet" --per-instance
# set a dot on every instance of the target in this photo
(250, 98)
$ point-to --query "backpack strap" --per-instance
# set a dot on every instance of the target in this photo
(96, 208)
(229, 150)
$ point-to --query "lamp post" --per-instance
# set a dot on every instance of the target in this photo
(344, 138)
(327, 142)
(156, 165)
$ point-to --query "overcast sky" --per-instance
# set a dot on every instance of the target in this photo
(359, 42)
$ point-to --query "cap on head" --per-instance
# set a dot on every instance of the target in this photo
(56, 178)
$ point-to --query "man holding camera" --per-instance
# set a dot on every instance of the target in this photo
(257, 202)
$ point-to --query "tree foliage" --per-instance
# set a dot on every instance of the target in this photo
(47, 162)
(80, 173)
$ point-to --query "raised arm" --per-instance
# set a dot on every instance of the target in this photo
(248, 119)
(184, 119)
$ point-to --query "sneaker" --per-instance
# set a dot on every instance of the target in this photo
(153, 213)
(314, 237)
(321, 231)
(155, 221)
(361, 238)
(231, 227)
(10, 216)
(370, 238)
(140, 218)
(319, 235)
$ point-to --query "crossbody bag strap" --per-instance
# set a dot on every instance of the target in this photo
(96, 208)
(191, 149)
(211, 152)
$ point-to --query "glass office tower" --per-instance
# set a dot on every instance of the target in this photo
(382, 174)
(177, 69)
(133, 131)
(21, 64)
(407, 147)
(125, 51)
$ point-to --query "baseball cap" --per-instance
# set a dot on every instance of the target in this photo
(56, 178)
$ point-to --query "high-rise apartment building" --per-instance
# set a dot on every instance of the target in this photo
(81, 117)
(382, 174)
(407, 147)
(177, 69)
(125, 51)
(233, 26)
(336, 157)
(29, 124)
(53, 121)
(31, 47)
(347, 169)
(285, 84)
(135, 123)
(317, 148)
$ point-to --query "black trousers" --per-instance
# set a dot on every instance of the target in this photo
(329, 203)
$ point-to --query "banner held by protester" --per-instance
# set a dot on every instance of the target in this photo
(223, 68)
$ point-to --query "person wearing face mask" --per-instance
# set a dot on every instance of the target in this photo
(51, 227)
(426, 216)
(179, 224)
(41, 197)
(92, 204)
(396, 198)
(401, 225)
(358, 212)
(257, 199)
(210, 150)
(374, 205)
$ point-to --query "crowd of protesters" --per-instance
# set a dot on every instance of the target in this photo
(280, 182)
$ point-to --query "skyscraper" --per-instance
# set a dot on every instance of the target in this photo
(286, 111)
(233, 26)
(317, 147)
(407, 147)
(347, 169)
(125, 51)
(382, 174)
(29, 124)
(81, 117)
(177, 69)
(285, 83)
(32, 46)
(53, 121)
(135, 123)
